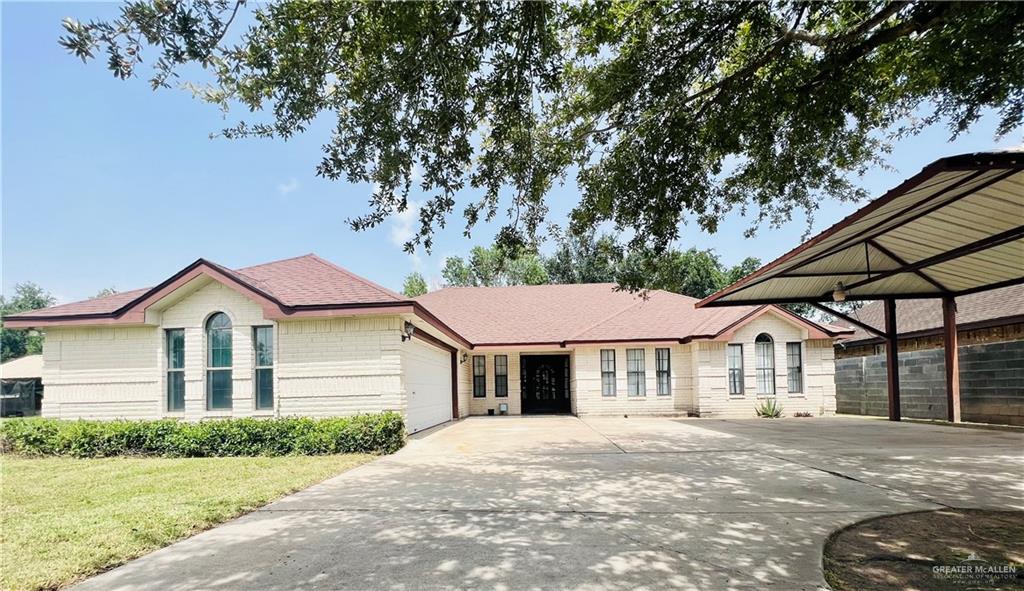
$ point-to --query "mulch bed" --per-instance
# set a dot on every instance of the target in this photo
(948, 549)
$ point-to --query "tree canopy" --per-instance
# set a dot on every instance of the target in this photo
(106, 291)
(494, 267)
(666, 112)
(590, 258)
(16, 343)
(415, 285)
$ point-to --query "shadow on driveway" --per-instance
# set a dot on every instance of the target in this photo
(602, 503)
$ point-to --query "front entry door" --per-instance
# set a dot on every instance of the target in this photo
(545, 383)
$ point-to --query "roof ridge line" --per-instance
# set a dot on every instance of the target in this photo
(606, 319)
(295, 258)
(355, 277)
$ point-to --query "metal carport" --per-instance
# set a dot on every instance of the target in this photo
(956, 227)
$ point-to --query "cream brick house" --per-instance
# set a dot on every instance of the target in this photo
(303, 336)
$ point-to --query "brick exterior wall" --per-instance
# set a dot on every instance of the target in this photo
(991, 383)
(590, 401)
(698, 377)
(711, 374)
(322, 367)
(347, 365)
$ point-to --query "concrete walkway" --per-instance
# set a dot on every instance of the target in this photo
(563, 503)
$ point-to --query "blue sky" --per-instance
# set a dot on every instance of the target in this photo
(106, 183)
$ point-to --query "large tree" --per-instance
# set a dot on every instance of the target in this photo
(494, 267)
(584, 258)
(415, 285)
(666, 111)
(16, 343)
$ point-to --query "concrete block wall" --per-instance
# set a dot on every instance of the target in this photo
(991, 384)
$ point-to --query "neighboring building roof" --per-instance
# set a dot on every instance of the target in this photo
(27, 367)
(581, 313)
(920, 317)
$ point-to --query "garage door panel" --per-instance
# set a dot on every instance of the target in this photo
(428, 385)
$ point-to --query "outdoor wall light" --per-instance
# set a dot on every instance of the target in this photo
(465, 356)
(408, 331)
(839, 294)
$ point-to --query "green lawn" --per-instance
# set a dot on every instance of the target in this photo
(64, 519)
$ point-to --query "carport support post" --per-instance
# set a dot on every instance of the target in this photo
(892, 359)
(952, 359)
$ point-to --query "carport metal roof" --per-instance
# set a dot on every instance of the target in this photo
(956, 227)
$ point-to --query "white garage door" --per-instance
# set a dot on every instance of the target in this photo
(428, 385)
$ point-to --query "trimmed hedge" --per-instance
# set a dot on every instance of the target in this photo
(382, 433)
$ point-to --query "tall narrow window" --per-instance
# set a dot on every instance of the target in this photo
(218, 362)
(736, 369)
(764, 350)
(663, 371)
(794, 368)
(263, 343)
(479, 376)
(176, 369)
(501, 376)
(608, 372)
(635, 378)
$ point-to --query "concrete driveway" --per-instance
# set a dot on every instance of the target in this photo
(610, 503)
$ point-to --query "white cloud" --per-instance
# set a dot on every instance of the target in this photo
(402, 224)
(403, 229)
(288, 187)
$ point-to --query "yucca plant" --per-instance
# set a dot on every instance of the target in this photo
(769, 408)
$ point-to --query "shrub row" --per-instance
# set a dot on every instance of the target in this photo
(372, 433)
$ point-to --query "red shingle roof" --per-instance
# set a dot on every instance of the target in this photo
(311, 281)
(307, 280)
(916, 316)
(544, 314)
(101, 305)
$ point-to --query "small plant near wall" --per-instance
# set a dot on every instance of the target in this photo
(802, 414)
(769, 408)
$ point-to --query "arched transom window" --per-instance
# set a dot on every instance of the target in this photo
(218, 362)
(764, 352)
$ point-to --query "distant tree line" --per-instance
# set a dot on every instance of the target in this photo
(589, 258)
(27, 296)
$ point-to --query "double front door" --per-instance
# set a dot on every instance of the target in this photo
(545, 383)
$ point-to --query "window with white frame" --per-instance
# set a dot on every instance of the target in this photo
(501, 376)
(175, 369)
(794, 368)
(635, 377)
(735, 355)
(764, 353)
(663, 371)
(608, 372)
(479, 376)
(218, 362)
(263, 344)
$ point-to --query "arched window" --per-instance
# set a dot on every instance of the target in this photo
(764, 350)
(218, 362)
